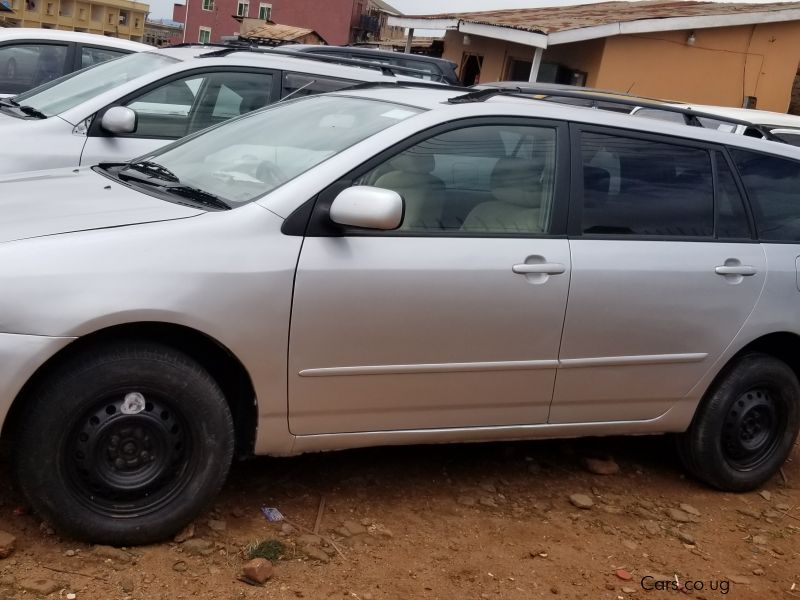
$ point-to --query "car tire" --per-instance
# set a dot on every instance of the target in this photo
(746, 426)
(11, 69)
(124, 444)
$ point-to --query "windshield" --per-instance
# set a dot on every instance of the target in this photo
(63, 94)
(246, 158)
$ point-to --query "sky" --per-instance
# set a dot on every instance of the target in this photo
(163, 8)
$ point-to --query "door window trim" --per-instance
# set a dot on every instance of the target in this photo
(574, 229)
(311, 219)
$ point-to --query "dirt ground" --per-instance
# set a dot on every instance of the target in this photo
(446, 522)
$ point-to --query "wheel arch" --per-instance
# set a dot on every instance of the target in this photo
(226, 369)
(783, 345)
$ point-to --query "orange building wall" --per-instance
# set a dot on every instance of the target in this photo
(724, 65)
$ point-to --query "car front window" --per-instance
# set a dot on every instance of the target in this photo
(248, 157)
(56, 97)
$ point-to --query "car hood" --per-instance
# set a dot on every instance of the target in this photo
(41, 203)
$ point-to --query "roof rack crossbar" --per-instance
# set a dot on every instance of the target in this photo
(692, 117)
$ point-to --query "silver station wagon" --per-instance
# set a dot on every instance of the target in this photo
(393, 264)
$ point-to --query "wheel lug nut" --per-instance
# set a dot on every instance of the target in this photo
(119, 463)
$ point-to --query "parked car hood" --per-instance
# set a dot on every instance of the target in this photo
(41, 203)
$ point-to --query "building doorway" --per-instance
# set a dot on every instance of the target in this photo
(471, 69)
(518, 70)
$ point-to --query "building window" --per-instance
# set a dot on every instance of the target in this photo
(208, 4)
(243, 8)
(205, 35)
(265, 11)
(50, 10)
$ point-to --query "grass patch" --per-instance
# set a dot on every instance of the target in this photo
(269, 549)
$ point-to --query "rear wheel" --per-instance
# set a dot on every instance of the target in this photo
(747, 425)
(125, 444)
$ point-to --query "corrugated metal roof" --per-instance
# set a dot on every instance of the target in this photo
(276, 31)
(563, 18)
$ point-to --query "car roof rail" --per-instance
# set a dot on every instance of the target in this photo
(691, 116)
(390, 70)
(428, 85)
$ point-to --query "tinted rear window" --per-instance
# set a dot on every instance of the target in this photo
(773, 186)
(645, 188)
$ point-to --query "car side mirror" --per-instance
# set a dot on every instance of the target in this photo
(368, 207)
(119, 119)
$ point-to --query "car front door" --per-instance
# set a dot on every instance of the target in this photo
(665, 271)
(169, 110)
(454, 320)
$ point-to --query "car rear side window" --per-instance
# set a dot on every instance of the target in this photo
(772, 185)
(641, 187)
(25, 66)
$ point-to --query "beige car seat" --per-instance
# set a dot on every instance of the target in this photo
(518, 191)
(423, 192)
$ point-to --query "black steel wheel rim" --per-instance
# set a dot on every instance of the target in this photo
(122, 462)
(752, 428)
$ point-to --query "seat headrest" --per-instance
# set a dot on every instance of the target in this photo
(411, 162)
(517, 181)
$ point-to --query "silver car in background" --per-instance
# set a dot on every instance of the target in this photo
(393, 265)
(133, 105)
(30, 57)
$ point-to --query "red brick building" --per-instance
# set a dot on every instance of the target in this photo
(337, 21)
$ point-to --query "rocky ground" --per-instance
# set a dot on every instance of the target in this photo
(496, 521)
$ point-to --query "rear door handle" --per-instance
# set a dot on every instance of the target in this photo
(743, 270)
(539, 268)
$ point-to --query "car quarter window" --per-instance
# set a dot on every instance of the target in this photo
(183, 106)
(639, 187)
(25, 66)
(91, 56)
(300, 84)
(772, 185)
(474, 181)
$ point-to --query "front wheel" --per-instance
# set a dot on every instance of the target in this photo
(746, 426)
(124, 444)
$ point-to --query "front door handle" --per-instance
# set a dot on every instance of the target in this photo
(742, 270)
(539, 269)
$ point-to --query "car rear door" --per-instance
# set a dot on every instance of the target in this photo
(455, 319)
(665, 271)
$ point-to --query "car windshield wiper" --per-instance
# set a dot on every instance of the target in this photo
(9, 102)
(30, 111)
(152, 168)
(172, 186)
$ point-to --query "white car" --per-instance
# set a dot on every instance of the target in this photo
(124, 108)
(30, 57)
(762, 123)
